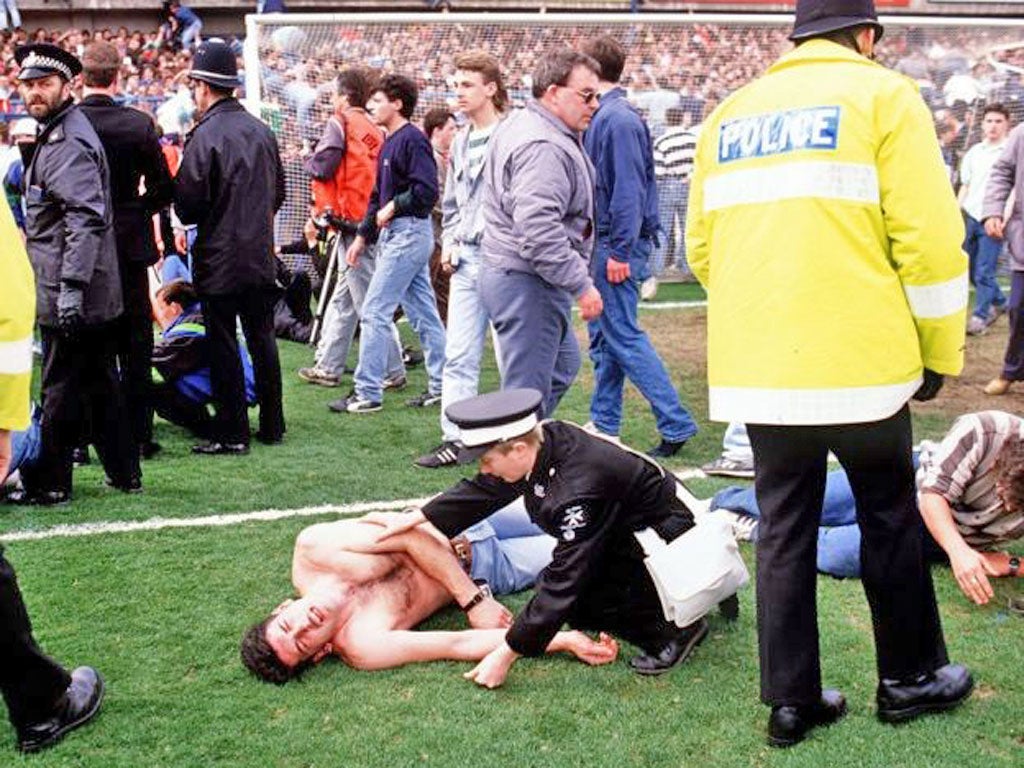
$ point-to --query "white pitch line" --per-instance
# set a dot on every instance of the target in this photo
(213, 521)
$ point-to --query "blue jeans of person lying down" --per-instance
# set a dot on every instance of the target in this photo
(838, 534)
(509, 551)
(25, 444)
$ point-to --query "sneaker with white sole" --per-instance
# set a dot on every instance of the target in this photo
(723, 467)
(424, 401)
(317, 375)
(445, 455)
(395, 383)
(744, 527)
(354, 404)
(976, 326)
(649, 289)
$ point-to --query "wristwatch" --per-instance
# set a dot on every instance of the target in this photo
(483, 592)
(1014, 565)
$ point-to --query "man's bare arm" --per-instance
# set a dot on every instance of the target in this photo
(970, 567)
(394, 649)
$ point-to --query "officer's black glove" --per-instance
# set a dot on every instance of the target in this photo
(70, 311)
(930, 387)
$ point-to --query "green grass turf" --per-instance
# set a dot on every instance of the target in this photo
(161, 613)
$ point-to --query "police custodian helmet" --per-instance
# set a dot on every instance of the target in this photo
(214, 63)
(815, 17)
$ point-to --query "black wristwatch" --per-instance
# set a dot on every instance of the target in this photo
(1014, 565)
(482, 593)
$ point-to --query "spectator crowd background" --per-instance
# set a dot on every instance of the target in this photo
(691, 66)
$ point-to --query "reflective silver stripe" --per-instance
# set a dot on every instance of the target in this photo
(848, 405)
(856, 182)
(16, 356)
(940, 300)
(206, 73)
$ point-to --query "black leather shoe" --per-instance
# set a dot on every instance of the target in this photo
(666, 448)
(790, 725)
(134, 485)
(221, 449)
(25, 498)
(673, 654)
(80, 456)
(903, 700)
(76, 707)
(269, 439)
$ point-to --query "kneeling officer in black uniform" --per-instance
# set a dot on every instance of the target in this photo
(589, 493)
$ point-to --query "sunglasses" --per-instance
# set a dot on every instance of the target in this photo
(588, 96)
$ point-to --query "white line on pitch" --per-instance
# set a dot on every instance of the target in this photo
(212, 521)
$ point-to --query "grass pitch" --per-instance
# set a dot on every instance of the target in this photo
(161, 613)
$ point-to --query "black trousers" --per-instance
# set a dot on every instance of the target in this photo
(791, 464)
(178, 409)
(256, 310)
(30, 681)
(80, 384)
(622, 600)
(135, 350)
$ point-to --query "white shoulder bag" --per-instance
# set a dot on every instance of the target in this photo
(695, 572)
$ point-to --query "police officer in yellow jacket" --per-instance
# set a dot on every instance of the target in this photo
(44, 701)
(825, 230)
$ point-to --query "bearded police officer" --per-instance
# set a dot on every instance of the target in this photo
(592, 495)
(230, 184)
(823, 179)
(70, 240)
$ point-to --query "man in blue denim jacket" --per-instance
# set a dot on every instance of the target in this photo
(619, 144)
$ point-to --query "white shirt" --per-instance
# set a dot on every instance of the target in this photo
(974, 171)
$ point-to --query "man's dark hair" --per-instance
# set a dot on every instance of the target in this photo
(399, 88)
(260, 659)
(179, 292)
(847, 36)
(609, 55)
(998, 108)
(100, 64)
(1010, 474)
(356, 83)
(556, 66)
(434, 119)
(674, 116)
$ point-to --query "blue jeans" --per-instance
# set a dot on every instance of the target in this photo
(672, 196)
(190, 35)
(25, 444)
(9, 7)
(620, 348)
(736, 443)
(466, 333)
(533, 320)
(838, 534)
(983, 252)
(402, 277)
(509, 551)
(341, 318)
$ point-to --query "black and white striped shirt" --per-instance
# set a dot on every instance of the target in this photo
(674, 151)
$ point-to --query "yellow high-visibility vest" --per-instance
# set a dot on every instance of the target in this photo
(17, 317)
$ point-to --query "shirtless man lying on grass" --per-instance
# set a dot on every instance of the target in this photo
(359, 599)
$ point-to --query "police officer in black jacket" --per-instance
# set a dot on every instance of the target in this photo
(133, 154)
(230, 184)
(78, 287)
(589, 493)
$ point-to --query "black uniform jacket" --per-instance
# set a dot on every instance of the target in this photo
(69, 222)
(133, 152)
(230, 184)
(588, 493)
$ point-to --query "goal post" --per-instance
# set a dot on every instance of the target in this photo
(679, 66)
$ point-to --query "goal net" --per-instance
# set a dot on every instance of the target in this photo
(679, 67)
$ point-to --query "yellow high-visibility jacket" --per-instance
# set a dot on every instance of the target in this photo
(825, 229)
(17, 316)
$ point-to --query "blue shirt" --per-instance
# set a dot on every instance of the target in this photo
(619, 145)
(407, 174)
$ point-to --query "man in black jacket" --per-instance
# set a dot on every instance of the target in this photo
(592, 495)
(230, 184)
(133, 154)
(73, 252)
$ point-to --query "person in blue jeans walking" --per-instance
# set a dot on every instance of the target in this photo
(619, 145)
(398, 218)
(982, 249)
(482, 99)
